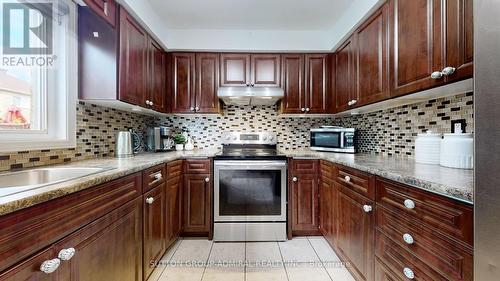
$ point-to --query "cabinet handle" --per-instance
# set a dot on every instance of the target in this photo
(147, 102)
(303, 109)
(408, 273)
(50, 266)
(436, 75)
(295, 179)
(248, 84)
(409, 204)
(448, 70)
(354, 102)
(158, 176)
(367, 208)
(191, 108)
(307, 109)
(150, 200)
(347, 178)
(106, 8)
(207, 179)
(66, 254)
(253, 85)
(197, 108)
(408, 238)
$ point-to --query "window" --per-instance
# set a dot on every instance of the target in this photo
(38, 74)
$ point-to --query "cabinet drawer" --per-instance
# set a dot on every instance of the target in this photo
(153, 176)
(326, 169)
(174, 169)
(397, 259)
(444, 215)
(358, 181)
(197, 166)
(305, 166)
(436, 250)
(27, 231)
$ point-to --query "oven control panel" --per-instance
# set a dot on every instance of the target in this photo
(248, 138)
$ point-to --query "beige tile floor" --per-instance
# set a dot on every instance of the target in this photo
(303, 258)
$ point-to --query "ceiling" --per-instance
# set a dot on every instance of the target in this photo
(286, 15)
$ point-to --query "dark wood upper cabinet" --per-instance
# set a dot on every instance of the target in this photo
(292, 77)
(133, 60)
(182, 85)
(372, 58)
(316, 83)
(459, 39)
(105, 9)
(355, 233)
(197, 204)
(235, 70)
(265, 70)
(157, 87)
(416, 49)
(345, 75)
(155, 218)
(207, 83)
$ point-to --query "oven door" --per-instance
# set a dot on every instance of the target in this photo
(249, 190)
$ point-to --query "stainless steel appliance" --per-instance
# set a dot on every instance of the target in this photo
(124, 144)
(160, 139)
(334, 139)
(250, 95)
(250, 189)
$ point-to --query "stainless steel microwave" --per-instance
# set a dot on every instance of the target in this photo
(334, 139)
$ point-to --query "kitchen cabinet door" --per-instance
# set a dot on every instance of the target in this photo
(459, 39)
(157, 86)
(174, 214)
(197, 204)
(326, 207)
(345, 75)
(104, 8)
(266, 70)
(355, 232)
(316, 83)
(292, 74)
(154, 229)
(416, 49)
(182, 89)
(133, 61)
(235, 70)
(207, 83)
(30, 268)
(372, 57)
(305, 204)
(109, 248)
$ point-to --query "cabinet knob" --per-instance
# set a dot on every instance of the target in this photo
(197, 108)
(147, 102)
(448, 70)
(295, 179)
(436, 75)
(408, 238)
(50, 266)
(408, 273)
(151, 103)
(207, 179)
(248, 84)
(158, 176)
(367, 208)
(349, 103)
(191, 108)
(66, 254)
(353, 102)
(253, 85)
(150, 200)
(347, 178)
(409, 204)
(307, 109)
(303, 109)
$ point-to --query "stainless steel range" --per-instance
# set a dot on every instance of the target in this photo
(249, 189)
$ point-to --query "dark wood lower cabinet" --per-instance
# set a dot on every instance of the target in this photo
(30, 268)
(355, 236)
(327, 204)
(305, 204)
(174, 207)
(197, 204)
(155, 219)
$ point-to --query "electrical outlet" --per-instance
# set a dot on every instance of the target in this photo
(458, 126)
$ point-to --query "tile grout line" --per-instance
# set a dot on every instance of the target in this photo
(283, 261)
(319, 258)
(245, 268)
(176, 247)
(206, 262)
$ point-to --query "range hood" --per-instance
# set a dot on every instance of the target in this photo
(250, 95)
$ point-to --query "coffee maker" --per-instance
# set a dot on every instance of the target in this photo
(160, 139)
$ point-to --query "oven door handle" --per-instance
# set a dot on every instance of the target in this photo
(253, 165)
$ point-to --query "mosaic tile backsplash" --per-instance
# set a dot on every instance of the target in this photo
(388, 132)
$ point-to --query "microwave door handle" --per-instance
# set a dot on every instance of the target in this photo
(342, 136)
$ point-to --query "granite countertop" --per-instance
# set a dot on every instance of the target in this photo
(115, 168)
(453, 183)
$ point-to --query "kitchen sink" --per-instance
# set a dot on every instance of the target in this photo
(16, 182)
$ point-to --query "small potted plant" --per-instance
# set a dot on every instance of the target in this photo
(179, 140)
